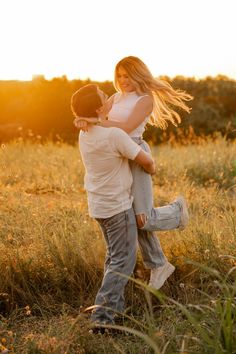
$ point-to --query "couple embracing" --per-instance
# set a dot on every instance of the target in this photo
(118, 168)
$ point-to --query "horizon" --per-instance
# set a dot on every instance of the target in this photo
(218, 76)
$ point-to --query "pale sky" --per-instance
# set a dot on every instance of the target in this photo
(86, 38)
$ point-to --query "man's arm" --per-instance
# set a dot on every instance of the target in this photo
(146, 162)
(129, 149)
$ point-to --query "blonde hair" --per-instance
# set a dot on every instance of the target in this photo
(163, 94)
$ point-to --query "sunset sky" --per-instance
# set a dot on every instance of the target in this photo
(82, 39)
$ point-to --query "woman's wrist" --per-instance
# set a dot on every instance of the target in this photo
(99, 121)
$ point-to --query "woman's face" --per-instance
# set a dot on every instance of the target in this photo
(124, 81)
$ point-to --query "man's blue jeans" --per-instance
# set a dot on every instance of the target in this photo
(120, 233)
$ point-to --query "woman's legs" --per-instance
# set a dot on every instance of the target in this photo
(169, 217)
(154, 258)
(150, 249)
(152, 219)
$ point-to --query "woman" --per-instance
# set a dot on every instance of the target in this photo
(142, 99)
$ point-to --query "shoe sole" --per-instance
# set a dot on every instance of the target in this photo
(184, 216)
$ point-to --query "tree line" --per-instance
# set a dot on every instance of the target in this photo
(41, 108)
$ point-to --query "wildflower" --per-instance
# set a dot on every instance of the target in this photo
(159, 333)
(28, 311)
(3, 349)
(9, 237)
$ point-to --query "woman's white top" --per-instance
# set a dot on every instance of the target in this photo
(123, 105)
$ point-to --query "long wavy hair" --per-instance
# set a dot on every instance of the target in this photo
(163, 94)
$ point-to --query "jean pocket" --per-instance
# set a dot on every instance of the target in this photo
(114, 219)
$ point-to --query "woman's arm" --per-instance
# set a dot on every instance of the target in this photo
(84, 122)
(142, 109)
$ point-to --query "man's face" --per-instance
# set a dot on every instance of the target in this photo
(102, 95)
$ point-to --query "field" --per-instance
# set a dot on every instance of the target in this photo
(52, 253)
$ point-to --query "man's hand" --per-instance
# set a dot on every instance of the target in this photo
(153, 168)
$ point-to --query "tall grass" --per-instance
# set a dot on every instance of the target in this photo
(52, 253)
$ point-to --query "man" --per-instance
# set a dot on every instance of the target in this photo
(108, 180)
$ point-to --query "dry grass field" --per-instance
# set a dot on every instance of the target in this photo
(51, 255)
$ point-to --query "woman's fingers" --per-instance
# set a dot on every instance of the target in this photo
(81, 124)
(90, 120)
(75, 121)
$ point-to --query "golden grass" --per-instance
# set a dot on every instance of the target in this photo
(52, 253)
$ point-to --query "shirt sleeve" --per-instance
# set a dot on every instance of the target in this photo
(123, 144)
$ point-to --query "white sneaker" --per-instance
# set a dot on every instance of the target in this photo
(184, 216)
(160, 274)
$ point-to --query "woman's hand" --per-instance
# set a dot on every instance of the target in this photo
(81, 124)
(91, 120)
(84, 122)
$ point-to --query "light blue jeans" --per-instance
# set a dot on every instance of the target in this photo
(159, 219)
(120, 233)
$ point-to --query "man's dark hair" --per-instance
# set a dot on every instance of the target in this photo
(86, 101)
